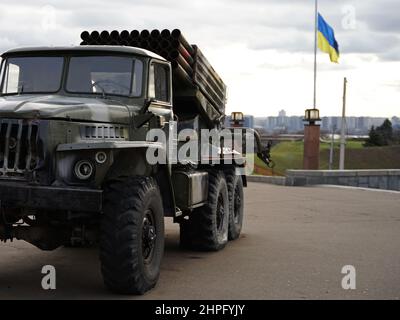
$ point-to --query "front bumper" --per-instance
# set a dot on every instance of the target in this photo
(21, 195)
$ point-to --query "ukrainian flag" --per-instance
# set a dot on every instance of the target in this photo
(326, 39)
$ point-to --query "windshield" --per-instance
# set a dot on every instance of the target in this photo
(102, 75)
(32, 75)
(105, 75)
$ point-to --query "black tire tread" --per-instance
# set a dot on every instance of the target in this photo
(197, 233)
(231, 180)
(118, 249)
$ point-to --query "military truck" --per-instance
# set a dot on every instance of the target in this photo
(75, 146)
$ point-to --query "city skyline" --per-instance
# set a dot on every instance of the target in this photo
(329, 115)
(283, 123)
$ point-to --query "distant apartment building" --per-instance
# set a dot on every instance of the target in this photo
(248, 121)
(362, 124)
(260, 122)
(293, 124)
(396, 122)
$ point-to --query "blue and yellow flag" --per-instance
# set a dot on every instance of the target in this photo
(326, 39)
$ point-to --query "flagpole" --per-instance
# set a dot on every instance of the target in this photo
(343, 128)
(315, 53)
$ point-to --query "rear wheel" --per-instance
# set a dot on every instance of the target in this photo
(207, 227)
(235, 188)
(132, 237)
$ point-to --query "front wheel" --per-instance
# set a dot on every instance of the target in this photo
(132, 237)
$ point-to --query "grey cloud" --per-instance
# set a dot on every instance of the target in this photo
(391, 55)
(369, 42)
(284, 25)
(384, 23)
(380, 16)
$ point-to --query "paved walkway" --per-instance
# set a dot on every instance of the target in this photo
(294, 244)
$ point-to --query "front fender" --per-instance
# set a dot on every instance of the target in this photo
(124, 158)
(129, 158)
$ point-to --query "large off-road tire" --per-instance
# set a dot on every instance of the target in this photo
(235, 189)
(207, 227)
(132, 235)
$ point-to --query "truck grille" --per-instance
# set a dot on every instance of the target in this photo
(18, 147)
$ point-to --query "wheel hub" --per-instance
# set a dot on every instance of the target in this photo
(148, 236)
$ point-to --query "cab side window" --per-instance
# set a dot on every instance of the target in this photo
(161, 82)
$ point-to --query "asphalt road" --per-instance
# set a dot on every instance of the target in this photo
(294, 244)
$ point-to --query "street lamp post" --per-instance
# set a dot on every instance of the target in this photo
(331, 148)
(311, 139)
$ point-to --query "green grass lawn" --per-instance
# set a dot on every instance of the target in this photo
(289, 155)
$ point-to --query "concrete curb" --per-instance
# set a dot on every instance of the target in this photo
(281, 181)
(374, 179)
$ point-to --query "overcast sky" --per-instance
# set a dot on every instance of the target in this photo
(263, 49)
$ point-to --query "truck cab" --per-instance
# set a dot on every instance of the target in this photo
(60, 106)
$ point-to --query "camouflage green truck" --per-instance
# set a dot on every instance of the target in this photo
(76, 136)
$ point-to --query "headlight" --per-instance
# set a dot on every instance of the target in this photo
(83, 169)
(101, 157)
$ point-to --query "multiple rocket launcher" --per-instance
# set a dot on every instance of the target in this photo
(191, 70)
